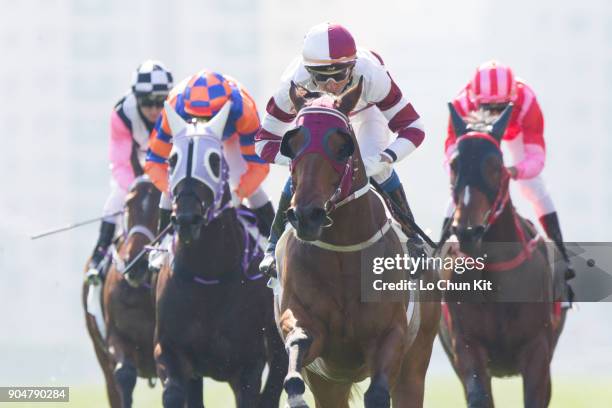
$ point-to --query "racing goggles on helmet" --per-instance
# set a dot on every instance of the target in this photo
(494, 107)
(149, 101)
(337, 72)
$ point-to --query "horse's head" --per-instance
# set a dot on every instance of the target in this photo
(198, 172)
(325, 161)
(141, 211)
(479, 178)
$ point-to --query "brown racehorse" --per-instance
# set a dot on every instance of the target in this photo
(334, 338)
(215, 315)
(126, 352)
(513, 328)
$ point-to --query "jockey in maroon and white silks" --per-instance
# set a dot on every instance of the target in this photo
(491, 89)
(386, 125)
(382, 109)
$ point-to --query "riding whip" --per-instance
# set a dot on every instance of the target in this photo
(74, 225)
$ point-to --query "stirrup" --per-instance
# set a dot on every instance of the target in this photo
(93, 275)
(267, 266)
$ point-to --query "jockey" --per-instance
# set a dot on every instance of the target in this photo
(131, 122)
(201, 96)
(491, 89)
(331, 62)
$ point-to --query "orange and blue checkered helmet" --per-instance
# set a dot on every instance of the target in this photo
(205, 94)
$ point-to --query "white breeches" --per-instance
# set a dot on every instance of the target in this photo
(114, 202)
(373, 136)
(534, 189)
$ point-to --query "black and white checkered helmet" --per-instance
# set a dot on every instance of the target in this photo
(151, 77)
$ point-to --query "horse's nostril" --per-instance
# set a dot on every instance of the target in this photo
(292, 217)
(318, 215)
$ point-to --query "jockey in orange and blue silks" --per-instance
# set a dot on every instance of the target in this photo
(201, 96)
(491, 89)
(131, 122)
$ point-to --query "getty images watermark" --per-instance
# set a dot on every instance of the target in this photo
(387, 276)
(416, 265)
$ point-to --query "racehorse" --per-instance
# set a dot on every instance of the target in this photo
(126, 351)
(215, 315)
(513, 328)
(333, 337)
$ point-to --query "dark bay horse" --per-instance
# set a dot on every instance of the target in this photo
(125, 352)
(513, 328)
(215, 315)
(334, 338)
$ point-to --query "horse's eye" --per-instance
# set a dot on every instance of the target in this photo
(214, 161)
(172, 161)
(345, 152)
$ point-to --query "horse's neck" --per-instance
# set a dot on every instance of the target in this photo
(504, 227)
(218, 250)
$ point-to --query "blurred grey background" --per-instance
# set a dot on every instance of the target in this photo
(66, 62)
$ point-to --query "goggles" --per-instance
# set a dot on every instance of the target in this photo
(323, 74)
(149, 101)
(497, 107)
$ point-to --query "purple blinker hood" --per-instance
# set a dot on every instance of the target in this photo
(318, 123)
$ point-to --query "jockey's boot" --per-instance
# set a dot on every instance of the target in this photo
(265, 218)
(267, 265)
(414, 244)
(550, 222)
(107, 232)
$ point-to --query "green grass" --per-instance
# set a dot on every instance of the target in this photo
(441, 392)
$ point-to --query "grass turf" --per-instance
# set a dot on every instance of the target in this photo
(441, 392)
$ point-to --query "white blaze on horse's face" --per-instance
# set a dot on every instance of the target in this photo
(197, 150)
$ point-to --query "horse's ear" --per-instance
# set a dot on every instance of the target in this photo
(176, 123)
(500, 125)
(297, 95)
(348, 100)
(217, 123)
(459, 125)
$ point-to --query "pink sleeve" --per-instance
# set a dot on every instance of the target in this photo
(533, 162)
(120, 152)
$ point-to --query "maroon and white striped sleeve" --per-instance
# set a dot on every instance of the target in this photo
(403, 120)
(275, 123)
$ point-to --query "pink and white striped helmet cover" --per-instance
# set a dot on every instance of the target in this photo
(493, 83)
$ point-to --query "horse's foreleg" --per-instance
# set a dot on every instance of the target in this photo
(535, 368)
(195, 393)
(246, 385)
(173, 379)
(297, 343)
(124, 372)
(277, 362)
(472, 368)
(384, 358)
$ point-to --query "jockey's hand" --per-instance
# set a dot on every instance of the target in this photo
(513, 172)
(374, 164)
